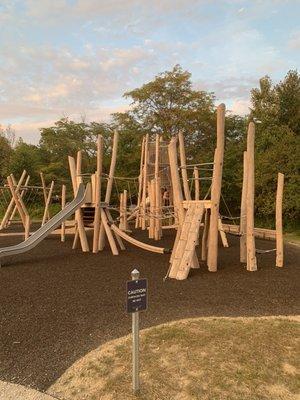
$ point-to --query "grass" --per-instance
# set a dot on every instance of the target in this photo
(215, 359)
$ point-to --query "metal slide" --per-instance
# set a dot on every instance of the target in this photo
(45, 230)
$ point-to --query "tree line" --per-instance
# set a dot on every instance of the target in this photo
(166, 105)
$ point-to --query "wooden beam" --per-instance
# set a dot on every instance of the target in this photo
(48, 201)
(137, 220)
(109, 186)
(63, 204)
(250, 239)
(243, 214)
(12, 202)
(97, 217)
(44, 191)
(184, 174)
(145, 183)
(212, 255)
(197, 183)
(279, 233)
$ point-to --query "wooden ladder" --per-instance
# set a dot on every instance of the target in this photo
(185, 249)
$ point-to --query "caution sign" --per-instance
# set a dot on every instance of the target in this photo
(136, 295)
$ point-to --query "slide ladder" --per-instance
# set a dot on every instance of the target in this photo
(185, 249)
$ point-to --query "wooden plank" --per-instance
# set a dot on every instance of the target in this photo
(279, 233)
(191, 242)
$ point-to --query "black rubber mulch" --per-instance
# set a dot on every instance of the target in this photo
(56, 304)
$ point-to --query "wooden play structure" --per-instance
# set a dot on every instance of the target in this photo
(169, 194)
(18, 197)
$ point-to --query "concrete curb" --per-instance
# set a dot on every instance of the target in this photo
(11, 391)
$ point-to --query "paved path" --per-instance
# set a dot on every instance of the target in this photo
(11, 391)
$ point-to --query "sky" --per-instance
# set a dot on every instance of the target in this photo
(76, 58)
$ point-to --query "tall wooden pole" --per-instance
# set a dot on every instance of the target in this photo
(78, 213)
(97, 217)
(21, 195)
(243, 215)
(145, 183)
(63, 204)
(137, 221)
(250, 239)
(279, 233)
(109, 186)
(212, 255)
(184, 174)
(197, 183)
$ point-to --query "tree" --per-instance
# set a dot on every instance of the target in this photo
(26, 156)
(277, 109)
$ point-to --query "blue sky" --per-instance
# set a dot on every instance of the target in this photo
(77, 57)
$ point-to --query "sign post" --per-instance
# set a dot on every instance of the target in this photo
(136, 301)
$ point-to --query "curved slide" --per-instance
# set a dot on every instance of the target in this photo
(46, 229)
(135, 242)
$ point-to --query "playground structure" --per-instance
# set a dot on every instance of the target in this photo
(164, 201)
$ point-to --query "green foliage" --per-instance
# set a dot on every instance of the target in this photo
(26, 156)
(277, 108)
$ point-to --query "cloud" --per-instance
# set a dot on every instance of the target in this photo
(294, 41)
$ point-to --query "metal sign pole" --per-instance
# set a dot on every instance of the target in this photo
(135, 342)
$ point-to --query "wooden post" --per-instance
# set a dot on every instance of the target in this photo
(279, 234)
(184, 174)
(12, 202)
(157, 191)
(78, 212)
(63, 204)
(22, 211)
(97, 217)
(197, 183)
(121, 223)
(158, 213)
(21, 195)
(137, 221)
(44, 191)
(109, 186)
(48, 201)
(145, 173)
(205, 235)
(151, 192)
(243, 215)
(212, 255)
(250, 239)
(79, 167)
(125, 197)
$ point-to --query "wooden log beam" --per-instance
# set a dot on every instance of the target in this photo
(97, 217)
(184, 174)
(243, 214)
(250, 239)
(279, 232)
(212, 255)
